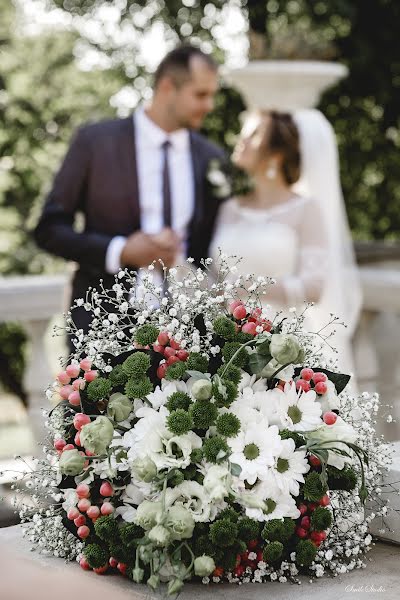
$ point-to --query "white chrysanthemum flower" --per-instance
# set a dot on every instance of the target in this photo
(192, 496)
(289, 468)
(265, 502)
(299, 411)
(251, 382)
(254, 449)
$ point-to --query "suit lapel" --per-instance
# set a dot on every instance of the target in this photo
(129, 168)
(197, 164)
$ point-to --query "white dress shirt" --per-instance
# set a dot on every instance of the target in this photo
(149, 139)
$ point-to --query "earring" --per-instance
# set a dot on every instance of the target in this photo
(271, 172)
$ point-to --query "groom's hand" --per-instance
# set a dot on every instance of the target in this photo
(141, 249)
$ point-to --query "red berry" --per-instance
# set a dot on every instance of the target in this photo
(174, 344)
(93, 512)
(77, 439)
(83, 532)
(317, 377)
(65, 391)
(60, 444)
(64, 378)
(242, 557)
(172, 359)
(233, 305)
(163, 338)
(106, 508)
(79, 384)
(240, 312)
(314, 461)
(84, 504)
(161, 370)
(106, 489)
(84, 564)
(321, 387)
(122, 567)
(238, 571)
(83, 490)
(80, 520)
(312, 506)
(80, 419)
(113, 562)
(74, 398)
(301, 384)
(85, 364)
(305, 523)
(68, 447)
(218, 572)
(259, 556)
(249, 328)
(91, 376)
(252, 544)
(101, 570)
(318, 536)
(325, 500)
(303, 509)
(302, 533)
(330, 418)
(266, 324)
(158, 348)
(182, 355)
(73, 371)
(73, 513)
(307, 374)
(169, 352)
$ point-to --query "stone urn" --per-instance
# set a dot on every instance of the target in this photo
(285, 84)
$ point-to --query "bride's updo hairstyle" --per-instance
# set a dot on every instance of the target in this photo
(282, 137)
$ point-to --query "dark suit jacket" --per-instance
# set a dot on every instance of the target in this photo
(99, 179)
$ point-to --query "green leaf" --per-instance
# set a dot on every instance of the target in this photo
(236, 469)
(198, 375)
(257, 362)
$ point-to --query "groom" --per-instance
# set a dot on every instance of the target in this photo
(142, 183)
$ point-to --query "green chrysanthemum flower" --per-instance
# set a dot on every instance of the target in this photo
(230, 373)
(321, 518)
(146, 334)
(130, 533)
(215, 449)
(273, 552)
(96, 556)
(230, 514)
(249, 529)
(197, 362)
(176, 371)
(204, 414)
(314, 489)
(231, 394)
(136, 365)
(296, 437)
(138, 388)
(345, 479)
(224, 327)
(118, 376)
(243, 337)
(196, 455)
(179, 422)
(177, 478)
(99, 389)
(305, 553)
(229, 351)
(278, 531)
(228, 425)
(223, 533)
(106, 529)
(178, 400)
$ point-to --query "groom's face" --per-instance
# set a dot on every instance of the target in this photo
(193, 99)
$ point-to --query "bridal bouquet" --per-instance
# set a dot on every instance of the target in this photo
(197, 437)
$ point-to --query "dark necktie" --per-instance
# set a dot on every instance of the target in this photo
(166, 186)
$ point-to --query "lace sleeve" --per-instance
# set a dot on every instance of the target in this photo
(307, 284)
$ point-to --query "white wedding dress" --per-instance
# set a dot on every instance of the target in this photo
(287, 242)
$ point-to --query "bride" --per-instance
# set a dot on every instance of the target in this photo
(293, 225)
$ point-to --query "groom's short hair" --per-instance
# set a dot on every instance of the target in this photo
(176, 64)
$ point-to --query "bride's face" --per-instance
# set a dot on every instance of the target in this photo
(249, 153)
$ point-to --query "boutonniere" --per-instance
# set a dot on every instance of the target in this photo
(218, 179)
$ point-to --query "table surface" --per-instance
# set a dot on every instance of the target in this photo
(381, 579)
